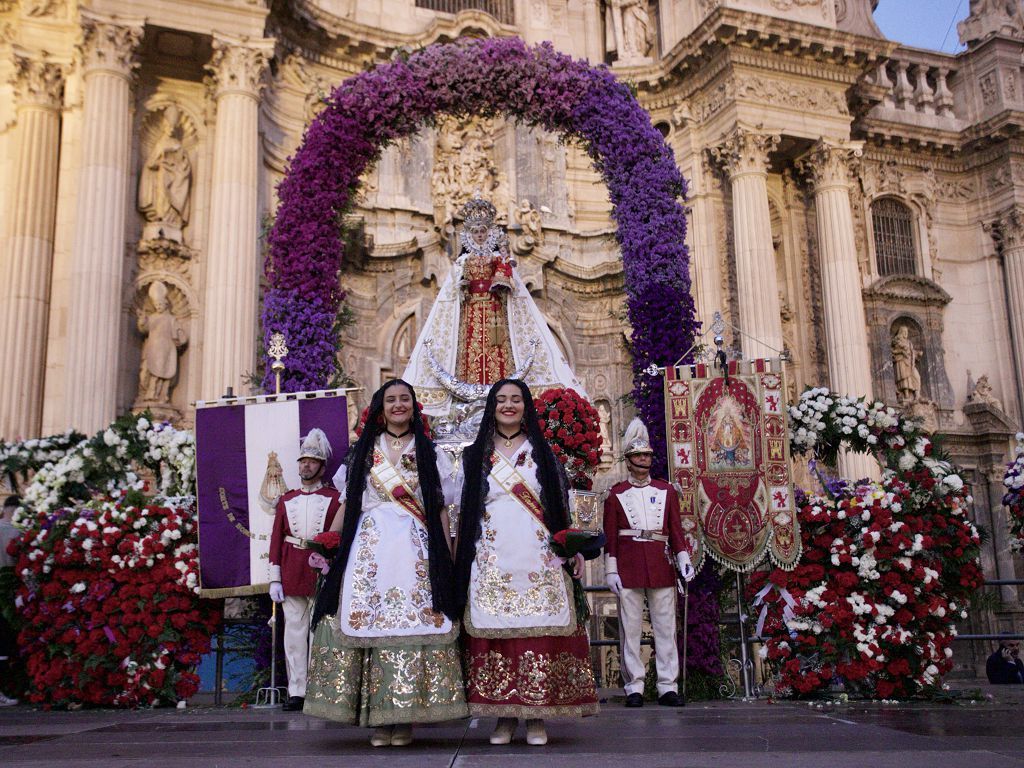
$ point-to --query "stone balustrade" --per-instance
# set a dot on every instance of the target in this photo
(915, 88)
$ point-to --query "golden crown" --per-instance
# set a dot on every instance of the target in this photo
(479, 211)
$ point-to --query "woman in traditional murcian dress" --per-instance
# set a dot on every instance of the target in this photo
(385, 643)
(527, 655)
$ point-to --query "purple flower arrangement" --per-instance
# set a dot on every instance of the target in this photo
(536, 86)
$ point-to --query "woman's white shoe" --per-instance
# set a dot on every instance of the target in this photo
(382, 736)
(535, 733)
(401, 736)
(503, 730)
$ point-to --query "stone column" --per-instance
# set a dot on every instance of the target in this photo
(1008, 232)
(849, 358)
(230, 325)
(28, 256)
(98, 252)
(744, 156)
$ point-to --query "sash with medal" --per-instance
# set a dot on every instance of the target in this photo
(386, 479)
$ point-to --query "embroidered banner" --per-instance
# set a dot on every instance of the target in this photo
(728, 454)
(246, 456)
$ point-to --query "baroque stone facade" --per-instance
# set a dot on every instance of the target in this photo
(848, 197)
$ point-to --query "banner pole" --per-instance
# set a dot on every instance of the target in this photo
(686, 635)
(744, 660)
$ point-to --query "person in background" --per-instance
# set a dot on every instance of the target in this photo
(1004, 666)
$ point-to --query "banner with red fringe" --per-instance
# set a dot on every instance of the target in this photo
(728, 455)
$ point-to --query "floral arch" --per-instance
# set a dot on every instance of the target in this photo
(536, 86)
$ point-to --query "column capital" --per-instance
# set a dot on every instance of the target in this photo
(744, 151)
(238, 65)
(1007, 229)
(109, 43)
(37, 81)
(829, 163)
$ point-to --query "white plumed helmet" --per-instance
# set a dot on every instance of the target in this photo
(315, 445)
(636, 439)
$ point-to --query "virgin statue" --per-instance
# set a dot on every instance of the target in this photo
(484, 326)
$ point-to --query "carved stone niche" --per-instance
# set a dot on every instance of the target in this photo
(917, 304)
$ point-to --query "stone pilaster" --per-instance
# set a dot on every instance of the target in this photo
(97, 259)
(232, 262)
(28, 256)
(744, 157)
(849, 359)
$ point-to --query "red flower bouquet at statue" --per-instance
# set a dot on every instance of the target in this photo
(573, 428)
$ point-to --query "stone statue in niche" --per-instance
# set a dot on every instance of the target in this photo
(628, 30)
(904, 366)
(982, 393)
(605, 418)
(165, 184)
(165, 335)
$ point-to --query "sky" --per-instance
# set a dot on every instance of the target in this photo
(922, 23)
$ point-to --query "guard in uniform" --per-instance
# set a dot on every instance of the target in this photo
(300, 515)
(645, 543)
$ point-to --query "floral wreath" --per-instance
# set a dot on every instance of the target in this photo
(538, 87)
(1013, 499)
(888, 567)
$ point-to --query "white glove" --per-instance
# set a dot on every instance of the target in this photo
(614, 583)
(685, 566)
(276, 592)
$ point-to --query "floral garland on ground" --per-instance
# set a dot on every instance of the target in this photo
(535, 85)
(888, 567)
(108, 602)
(1013, 499)
(573, 427)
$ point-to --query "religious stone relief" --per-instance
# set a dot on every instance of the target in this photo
(165, 334)
(39, 8)
(629, 33)
(165, 180)
(886, 178)
(986, 17)
(982, 393)
(987, 84)
(531, 228)
(793, 95)
(463, 166)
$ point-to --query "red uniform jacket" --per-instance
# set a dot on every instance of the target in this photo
(302, 515)
(643, 564)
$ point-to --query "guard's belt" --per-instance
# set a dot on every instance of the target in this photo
(301, 543)
(639, 534)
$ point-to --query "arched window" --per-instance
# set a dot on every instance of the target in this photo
(893, 225)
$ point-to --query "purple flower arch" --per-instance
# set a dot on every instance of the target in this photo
(499, 76)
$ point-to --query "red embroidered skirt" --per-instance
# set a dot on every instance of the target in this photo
(530, 677)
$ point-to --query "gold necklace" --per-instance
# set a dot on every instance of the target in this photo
(508, 438)
(396, 440)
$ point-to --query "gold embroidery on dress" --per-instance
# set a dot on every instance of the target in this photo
(539, 679)
(369, 608)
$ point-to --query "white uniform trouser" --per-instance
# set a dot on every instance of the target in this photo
(662, 605)
(297, 613)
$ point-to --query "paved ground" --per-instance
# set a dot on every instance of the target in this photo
(718, 735)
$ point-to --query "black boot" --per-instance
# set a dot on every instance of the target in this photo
(294, 704)
(671, 699)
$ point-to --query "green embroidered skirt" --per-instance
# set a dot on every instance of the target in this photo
(388, 685)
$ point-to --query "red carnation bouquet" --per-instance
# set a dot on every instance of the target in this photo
(573, 428)
(570, 542)
(323, 547)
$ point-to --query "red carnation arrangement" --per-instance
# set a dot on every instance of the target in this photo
(573, 427)
(109, 603)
